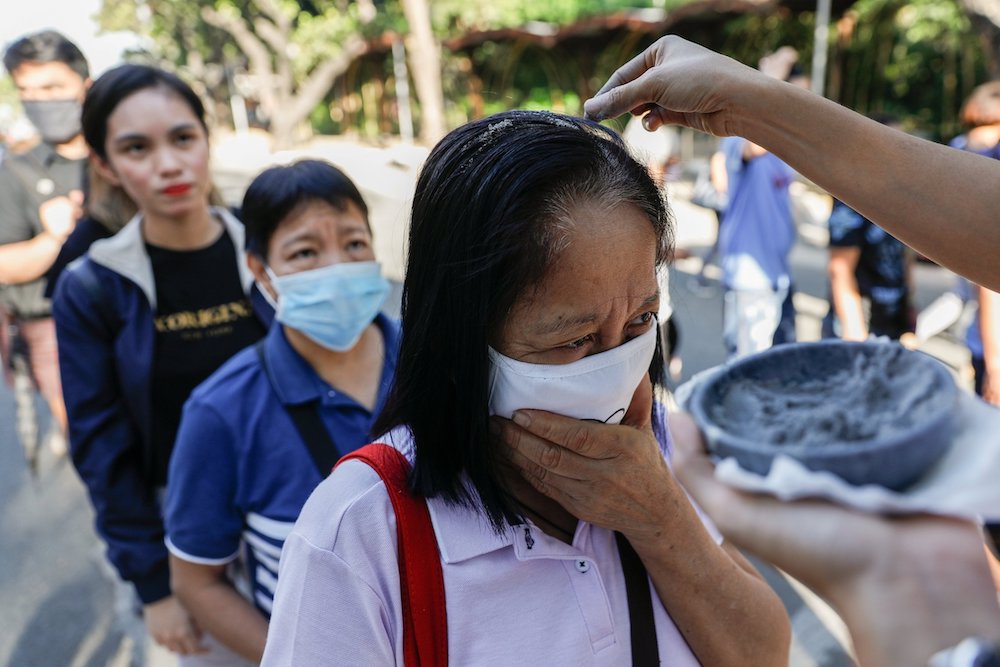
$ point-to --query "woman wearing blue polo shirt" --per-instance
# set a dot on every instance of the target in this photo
(260, 434)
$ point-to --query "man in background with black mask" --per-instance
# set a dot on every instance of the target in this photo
(40, 200)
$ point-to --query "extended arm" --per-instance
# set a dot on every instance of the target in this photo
(204, 526)
(717, 172)
(30, 259)
(989, 328)
(904, 184)
(845, 292)
(218, 608)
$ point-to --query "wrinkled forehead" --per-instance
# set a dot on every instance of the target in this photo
(606, 257)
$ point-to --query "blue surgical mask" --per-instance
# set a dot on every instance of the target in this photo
(332, 305)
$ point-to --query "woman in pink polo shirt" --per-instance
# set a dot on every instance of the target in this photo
(531, 283)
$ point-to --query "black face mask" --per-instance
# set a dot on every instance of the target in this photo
(57, 121)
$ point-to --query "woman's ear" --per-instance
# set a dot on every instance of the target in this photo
(104, 170)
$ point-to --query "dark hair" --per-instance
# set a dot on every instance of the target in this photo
(490, 215)
(795, 72)
(123, 81)
(278, 191)
(885, 118)
(47, 46)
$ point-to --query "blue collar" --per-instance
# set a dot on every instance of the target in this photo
(296, 382)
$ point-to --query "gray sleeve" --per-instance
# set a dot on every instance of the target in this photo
(15, 222)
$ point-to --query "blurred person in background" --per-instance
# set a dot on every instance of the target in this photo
(870, 277)
(146, 316)
(106, 209)
(870, 280)
(981, 113)
(758, 235)
(260, 434)
(711, 191)
(40, 200)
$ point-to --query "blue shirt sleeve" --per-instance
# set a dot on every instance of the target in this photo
(204, 522)
(105, 444)
(732, 148)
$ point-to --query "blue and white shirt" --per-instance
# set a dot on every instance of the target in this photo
(240, 473)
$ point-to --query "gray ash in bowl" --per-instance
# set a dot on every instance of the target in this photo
(873, 397)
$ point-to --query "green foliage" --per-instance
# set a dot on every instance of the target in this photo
(456, 17)
(176, 31)
(750, 37)
(914, 59)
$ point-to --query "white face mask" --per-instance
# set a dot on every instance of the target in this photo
(598, 387)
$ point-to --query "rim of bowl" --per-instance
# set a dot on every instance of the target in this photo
(924, 422)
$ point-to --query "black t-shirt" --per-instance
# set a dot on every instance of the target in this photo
(203, 317)
(881, 270)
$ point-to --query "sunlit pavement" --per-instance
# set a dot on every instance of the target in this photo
(59, 606)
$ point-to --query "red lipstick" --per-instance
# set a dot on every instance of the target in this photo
(177, 190)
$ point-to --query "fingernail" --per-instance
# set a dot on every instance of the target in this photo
(522, 419)
(595, 116)
(647, 123)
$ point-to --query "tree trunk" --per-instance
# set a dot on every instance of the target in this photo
(285, 104)
(425, 65)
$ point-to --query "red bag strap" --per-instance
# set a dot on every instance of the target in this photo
(421, 582)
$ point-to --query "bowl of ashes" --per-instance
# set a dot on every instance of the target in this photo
(870, 412)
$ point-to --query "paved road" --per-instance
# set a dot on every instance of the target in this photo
(59, 605)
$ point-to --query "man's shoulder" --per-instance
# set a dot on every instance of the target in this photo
(31, 161)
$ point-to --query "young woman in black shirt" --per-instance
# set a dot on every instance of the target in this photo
(146, 316)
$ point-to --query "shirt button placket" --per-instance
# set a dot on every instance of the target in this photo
(593, 600)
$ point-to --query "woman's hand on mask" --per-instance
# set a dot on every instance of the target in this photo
(613, 476)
